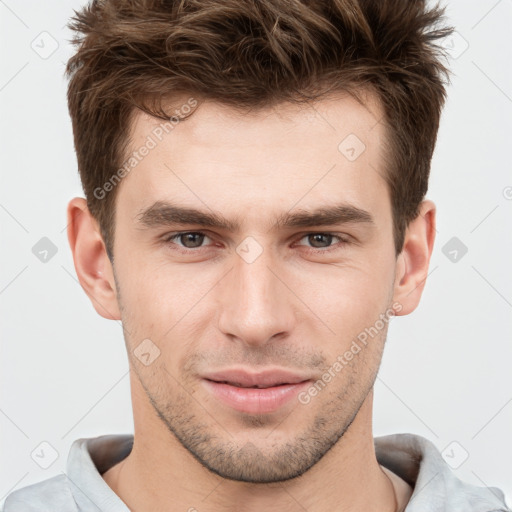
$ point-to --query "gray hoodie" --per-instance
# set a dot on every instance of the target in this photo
(413, 458)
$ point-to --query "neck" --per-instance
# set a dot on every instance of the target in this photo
(160, 472)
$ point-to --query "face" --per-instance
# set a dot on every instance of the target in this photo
(253, 255)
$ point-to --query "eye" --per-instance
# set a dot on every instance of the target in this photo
(187, 239)
(323, 241)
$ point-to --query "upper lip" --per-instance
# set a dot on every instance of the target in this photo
(261, 379)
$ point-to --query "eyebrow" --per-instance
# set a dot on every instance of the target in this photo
(164, 213)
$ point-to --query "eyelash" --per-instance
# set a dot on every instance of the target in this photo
(342, 241)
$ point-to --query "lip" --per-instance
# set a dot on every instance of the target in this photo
(236, 388)
(263, 379)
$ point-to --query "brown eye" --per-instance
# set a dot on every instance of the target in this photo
(323, 241)
(319, 240)
(188, 240)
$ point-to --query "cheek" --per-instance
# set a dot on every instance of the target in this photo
(154, 284)
(348, 298)
(163, 301)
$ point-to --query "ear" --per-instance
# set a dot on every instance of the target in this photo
(92, 265)
(413, 261)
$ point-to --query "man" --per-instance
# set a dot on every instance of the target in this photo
(255, 177)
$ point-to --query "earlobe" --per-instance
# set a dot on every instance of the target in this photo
(413, 261)
(92, 265)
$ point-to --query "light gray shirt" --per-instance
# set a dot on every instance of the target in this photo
(413, 458)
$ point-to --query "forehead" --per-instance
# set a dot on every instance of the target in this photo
(269, 159)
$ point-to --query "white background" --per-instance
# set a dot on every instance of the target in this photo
(446, 372)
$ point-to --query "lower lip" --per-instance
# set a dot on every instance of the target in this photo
(254, 400)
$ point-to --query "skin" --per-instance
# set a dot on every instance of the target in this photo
(295, 306)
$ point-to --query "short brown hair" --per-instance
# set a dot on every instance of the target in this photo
(133, 54)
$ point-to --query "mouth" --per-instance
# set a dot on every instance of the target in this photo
(255, 393)
(268, 378)
(256, 386)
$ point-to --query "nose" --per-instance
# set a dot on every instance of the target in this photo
(256, 301)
